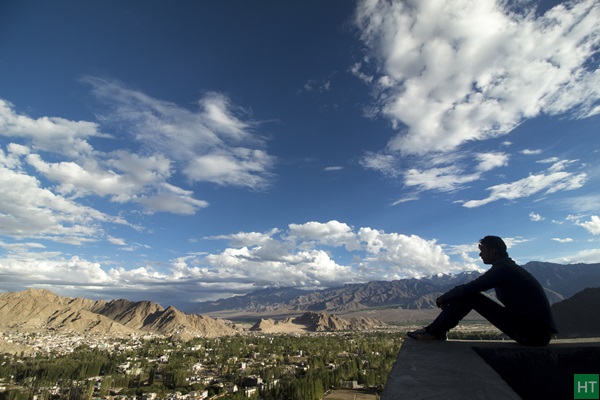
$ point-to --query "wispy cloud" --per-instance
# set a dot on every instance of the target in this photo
(447, 173)
(313, 85)
(584, 256)
(216, 143)
(563, 240)
(554, 179)
(529, 152)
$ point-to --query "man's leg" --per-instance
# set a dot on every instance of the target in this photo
(454, 312)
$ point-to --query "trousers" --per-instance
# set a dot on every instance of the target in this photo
(523, 330)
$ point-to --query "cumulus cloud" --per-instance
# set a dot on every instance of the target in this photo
(535, 217)
(489, 161)
(332, 233)
(53, 134)
(592, 226)
(309, 255)
(26, 268)
(28, 210)
(303, 255)
(466, 71)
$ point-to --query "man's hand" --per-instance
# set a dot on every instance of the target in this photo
(440, 302)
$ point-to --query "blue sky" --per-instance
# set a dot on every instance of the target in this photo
(188, 151)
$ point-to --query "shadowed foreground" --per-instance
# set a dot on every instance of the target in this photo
(490, 369)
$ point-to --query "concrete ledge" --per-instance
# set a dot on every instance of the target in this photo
(489, 369)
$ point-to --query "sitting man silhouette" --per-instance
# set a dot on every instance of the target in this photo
(524, 314)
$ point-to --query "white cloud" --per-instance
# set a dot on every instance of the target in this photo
(563, 240)
(54, 163)
(214, 144)
(395, 255)
(443, 179)
(84, 171)
(489, 161)
(302, 268)
(332, 233)
(592, 226)
(439, 172)
(585, 256)
(29, 210)
(26, 268)
(383, 163)
(237, 167)
(551, 181)
(53, 134)
(462, 71)
(247, 239)
(406, 199)
(535, 217)
(333, 168)
(308, 255)
(529, 152)
(116, 241)
(171, 199)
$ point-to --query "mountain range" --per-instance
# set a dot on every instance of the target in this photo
(559, 281)
(36, 310)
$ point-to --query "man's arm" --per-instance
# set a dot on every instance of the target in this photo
(489, 280)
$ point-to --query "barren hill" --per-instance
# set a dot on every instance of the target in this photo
(316, 322)
(37, 310)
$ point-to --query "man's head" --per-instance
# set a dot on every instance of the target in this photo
(492, 248)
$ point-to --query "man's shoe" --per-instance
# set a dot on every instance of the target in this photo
(422, 334)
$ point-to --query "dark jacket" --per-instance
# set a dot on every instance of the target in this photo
(517, 290)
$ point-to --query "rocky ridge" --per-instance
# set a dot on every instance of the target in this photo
(316, 322)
